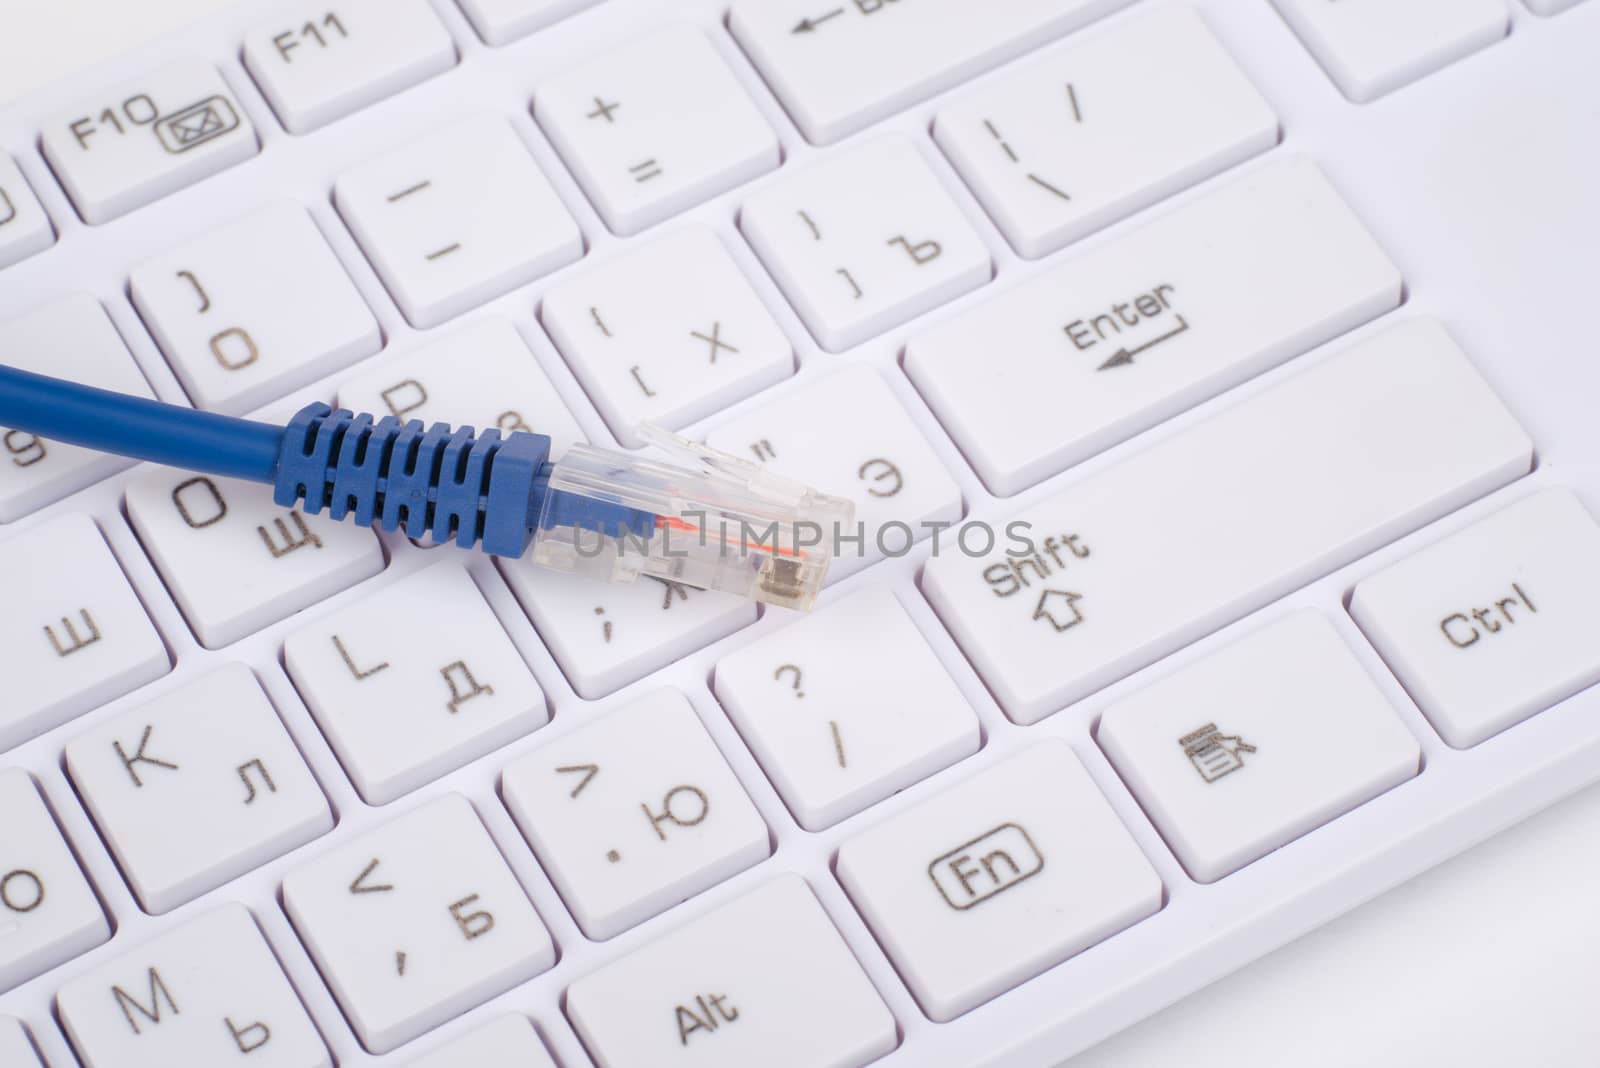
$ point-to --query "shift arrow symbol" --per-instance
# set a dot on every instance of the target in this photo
(810, 24)
(1060, 607)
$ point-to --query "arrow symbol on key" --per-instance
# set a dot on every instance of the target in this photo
(1124, 357)
(810, 23)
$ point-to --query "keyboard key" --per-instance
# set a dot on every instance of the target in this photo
(416, 922)
(655, 127)
(1047, 150)
(1258, 743)
(845, 707)
(402, 702)
(710, 991)
(633, 813)
(1151, 323)
(1549, 7)
(987, 884)
(480, 374)
(849, 434)
(197, 787)
(838, 70)
(1372, 47)
(318, 62)
(234, 561)
(48, 911)
(73, 634)
(456, 218)
(667, 333)
(16, 1048)
(24, 227)
(507, 1042)
(605, 636)
(500, 22)
(1490, 625)
(72, 338)
(207, 992)
(254, 309)
(864, 241)
(1316, 471)
(151, 136)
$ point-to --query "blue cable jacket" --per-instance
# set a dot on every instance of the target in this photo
(451, 484)
(143, 429)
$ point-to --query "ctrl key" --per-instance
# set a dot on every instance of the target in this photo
(207, 993)
(1494, 623)
(712, 994)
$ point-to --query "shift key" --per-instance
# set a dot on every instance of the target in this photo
(137, 142)
(1215, 521)
(1144, 326)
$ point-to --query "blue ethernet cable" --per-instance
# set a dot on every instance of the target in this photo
(595, 511)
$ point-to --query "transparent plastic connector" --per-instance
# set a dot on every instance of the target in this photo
(719, 523)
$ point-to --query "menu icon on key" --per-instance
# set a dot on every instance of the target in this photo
(976, 871)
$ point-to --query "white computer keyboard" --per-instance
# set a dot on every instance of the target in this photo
(1269, 316)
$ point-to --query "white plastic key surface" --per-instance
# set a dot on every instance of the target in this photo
(254, 309)
(1048, 149)
(48, 911)
(654, 127)
(500, 22)
(1137, 560)
(1061, 367)
(838, 67)
(1549, 7)
(457, 217)
(1372, 47)
(846, 706)
(666, 333)
(207, 992)
(73, 338)
(235, 561)
(987, 884)
(847, 435)
(1491, 625)
(863, 241)
(415, 922)
(506, 1042)
(605, 636)
(16, 1048)
(481, 375)
(319, 61)
(763, 980)
(73, 634)
(634, 812)
(197, 787)
(402, 705)
(25, 229)
(145, 138)
(1257, 744)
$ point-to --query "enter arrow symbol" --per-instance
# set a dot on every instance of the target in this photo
(1124, 357)
(810, 23)
(1060, 607)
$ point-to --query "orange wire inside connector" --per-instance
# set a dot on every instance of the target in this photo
(674, 523)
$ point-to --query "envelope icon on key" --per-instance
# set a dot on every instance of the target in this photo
(196, 124)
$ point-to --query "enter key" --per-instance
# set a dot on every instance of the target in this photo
(1151, 323)
(1495, 623)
